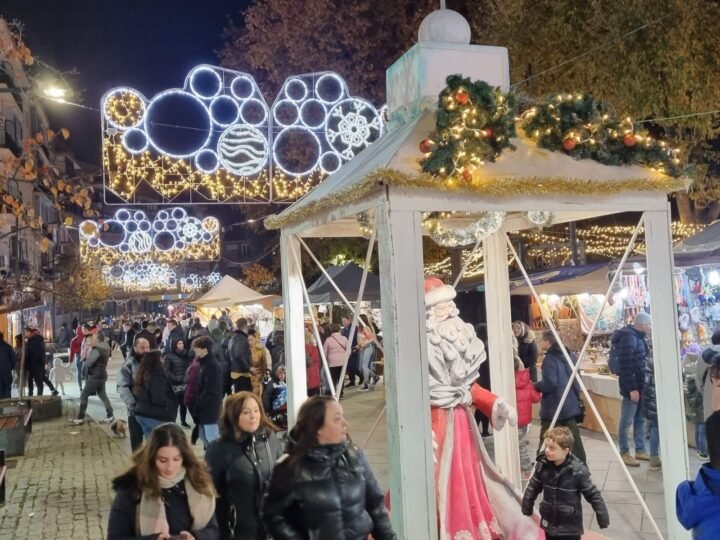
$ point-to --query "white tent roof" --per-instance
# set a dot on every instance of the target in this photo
(230, 292)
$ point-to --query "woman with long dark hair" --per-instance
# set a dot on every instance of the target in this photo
(324, 488)
(167, 491)
(241, 464)
(154, 396)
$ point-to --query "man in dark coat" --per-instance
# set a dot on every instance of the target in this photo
(630, 346)
(125, 384)
(35, 362)
(205, 407)
(240, 357)
(95, 377)
(8, 358)
(175, 333)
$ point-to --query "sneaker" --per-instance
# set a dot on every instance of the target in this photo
(702, 457)
(55, 393)
(364, 388)
(77, 421)
(655, 463)
(350, 385)
(642, 456)
(108, 420)
(185, 425)
(629, 460)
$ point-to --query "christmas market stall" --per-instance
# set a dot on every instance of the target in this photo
(456, 164)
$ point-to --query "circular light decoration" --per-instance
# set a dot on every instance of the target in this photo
(296, 90)
(207, 161)
(190, 100)
(330, 88)
(254, 107)
(224, 111)
(242, 87)
(195, 282)
(140, 242)
(352, 125)
(141, 276)
(243, 150)
(286, 133)
(135, 141)
(541, 218)
(330, 162)
(313, 114)
(486, 225)
(123, 108)
(286, 113)
(205, 82)
(211, 224)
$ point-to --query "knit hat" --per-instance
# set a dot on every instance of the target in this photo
(642, 318)
(436, 291)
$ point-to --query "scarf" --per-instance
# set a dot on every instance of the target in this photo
(151, 510)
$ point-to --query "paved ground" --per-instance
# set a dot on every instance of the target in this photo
(61, 487)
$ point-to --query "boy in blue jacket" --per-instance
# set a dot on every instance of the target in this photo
(697, 503)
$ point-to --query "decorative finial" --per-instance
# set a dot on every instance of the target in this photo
(444, 26)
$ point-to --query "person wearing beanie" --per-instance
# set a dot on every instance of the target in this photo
(631, 348)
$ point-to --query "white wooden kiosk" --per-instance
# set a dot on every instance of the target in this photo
(385, 181)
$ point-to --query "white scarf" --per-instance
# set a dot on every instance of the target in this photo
(152, 519)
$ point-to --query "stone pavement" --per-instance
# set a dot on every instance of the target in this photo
(61, 487)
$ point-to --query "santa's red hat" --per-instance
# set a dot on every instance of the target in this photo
(436, 291)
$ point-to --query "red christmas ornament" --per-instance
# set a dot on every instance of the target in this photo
(467, 175)
(569, 144)
(426, 146)
(462, 97)
(629, 140)
(489, 132)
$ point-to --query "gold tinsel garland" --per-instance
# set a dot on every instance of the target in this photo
(490, 187)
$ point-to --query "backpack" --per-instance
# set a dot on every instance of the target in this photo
(614, 359)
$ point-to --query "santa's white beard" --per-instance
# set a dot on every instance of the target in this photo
(454, 357)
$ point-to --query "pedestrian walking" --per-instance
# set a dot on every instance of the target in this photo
(35, 362)
(240, 357)
(366, 354)
(154, 396)
(166, 494)
(527, 349)
(260, 363)
(8, 360)
(335, 351)
(177, 362)
(555, 376)
(125, 388)
(562, 477)
(630, 348)
(324, 487)
(95, 378)
(525, 396)
(75, 346)
(241, 463)
(206, 404)
(353, 367)
(649, 409)
(312, 365)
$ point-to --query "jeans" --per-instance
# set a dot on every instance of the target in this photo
(37, 378)
(701, 438)
(91, 386)
(631, 414)
(183, 408)
(136, 432)
(654, 437)
(366, 363)
(79, 367)
(353, 369)
(148, 424)
(525, 461)
(208, 433)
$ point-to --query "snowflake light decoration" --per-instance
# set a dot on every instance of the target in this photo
(233, 147)
(141, 276)
(130, 236)
(197, 282)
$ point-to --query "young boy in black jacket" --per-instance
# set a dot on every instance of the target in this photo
(562, 478)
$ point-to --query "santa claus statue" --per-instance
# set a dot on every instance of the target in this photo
(474, 501)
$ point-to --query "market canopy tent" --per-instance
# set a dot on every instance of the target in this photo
(701, 248)
(347, 278)
(566, 280)
(230, 292)
(385, 183)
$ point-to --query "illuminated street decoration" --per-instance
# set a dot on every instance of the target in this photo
(140, 276)
(228, 145)
(130, 236)
(196, 282)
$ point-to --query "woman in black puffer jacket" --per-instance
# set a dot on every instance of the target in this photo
(324, 487)
(241, 464)
(155, 400)
(176, 366)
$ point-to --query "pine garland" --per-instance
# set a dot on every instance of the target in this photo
(585, 128)
(475, 122)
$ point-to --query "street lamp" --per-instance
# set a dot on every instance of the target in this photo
(55, 92)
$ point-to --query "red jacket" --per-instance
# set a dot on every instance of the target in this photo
(313, 371)
(525, 395)
(76, 343)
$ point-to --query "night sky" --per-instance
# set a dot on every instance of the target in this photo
(148, 45)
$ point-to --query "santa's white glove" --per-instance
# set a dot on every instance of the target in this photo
(501, 413)
(435, 446)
